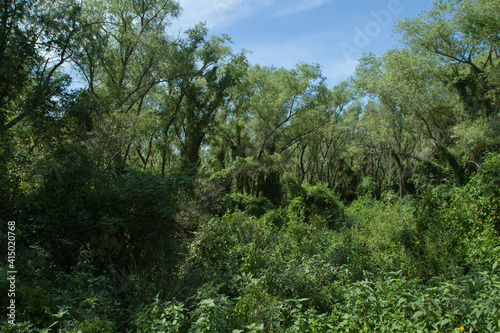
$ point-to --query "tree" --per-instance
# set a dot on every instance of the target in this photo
(316, 157)
(37, 39)
(207, 71)
(393, 123)
(123, 58)
(463, 38)
(277, 109)
(463, 34)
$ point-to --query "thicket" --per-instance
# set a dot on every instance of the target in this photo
(184, 190)
(314, 264)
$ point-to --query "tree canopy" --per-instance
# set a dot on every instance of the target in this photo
(161, 182)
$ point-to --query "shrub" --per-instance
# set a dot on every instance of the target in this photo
(78, 204)
(369, 187)
(160, 317)
(276, 217)
(211, 311)
(383, 228)
(318, 200)
(475, 212)
(461, 225)
(255, 206)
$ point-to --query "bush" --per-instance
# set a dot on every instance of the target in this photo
(61, 214)
(475, 211)
(318, 201)
(460, 225)
(276, 217)
(369, 187)
(159, 317)
(385, 228)
(248, 203)
(395, 303)
(78, 204)
(378, 265)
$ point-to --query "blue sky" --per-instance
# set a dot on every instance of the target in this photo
(281, 33)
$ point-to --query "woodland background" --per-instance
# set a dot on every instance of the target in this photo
(183, 189)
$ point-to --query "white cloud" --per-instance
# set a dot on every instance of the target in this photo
(318, 48)
(222, 13)
(290, 50)
(216, 13)
(286, 54)
(298, 6)
(337, 70)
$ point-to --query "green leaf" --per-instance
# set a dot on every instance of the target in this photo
(444, 322)
(418, 314)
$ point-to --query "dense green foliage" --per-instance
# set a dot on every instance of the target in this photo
(182, 189)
